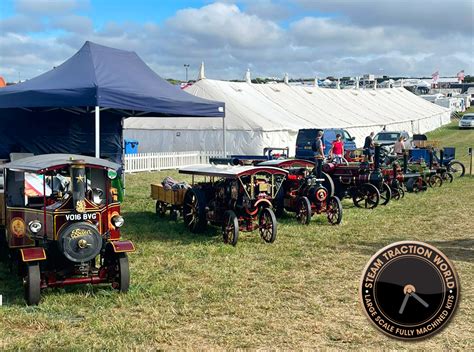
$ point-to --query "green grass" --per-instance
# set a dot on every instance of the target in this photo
(192, 291)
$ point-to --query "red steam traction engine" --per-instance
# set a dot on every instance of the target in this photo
(60, 223)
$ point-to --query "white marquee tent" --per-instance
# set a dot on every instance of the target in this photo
(263, 115)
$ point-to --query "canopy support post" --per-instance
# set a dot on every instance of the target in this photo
(223, 138)
(97, 132)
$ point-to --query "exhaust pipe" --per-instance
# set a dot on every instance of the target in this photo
(430, 155)
(441, 157)
(78, 183)
(377, 156)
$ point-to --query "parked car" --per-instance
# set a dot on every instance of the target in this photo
(388, 138)
(307, 136)
(467, 121)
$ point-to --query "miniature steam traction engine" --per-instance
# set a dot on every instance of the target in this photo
(238, 198)
(60, 223)
(303, 192)
(365, 185)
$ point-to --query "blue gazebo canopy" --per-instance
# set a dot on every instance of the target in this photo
(109, 78)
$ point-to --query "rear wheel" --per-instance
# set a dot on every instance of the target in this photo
(230, 228)
(194, 210)
(334, 210)
(267, 225)
(456, 168)
(435, 181)
(32, 284)
(366, 196)
(303, 211)
(385, 194)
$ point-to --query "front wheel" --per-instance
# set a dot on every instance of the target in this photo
(385, 194)
(160, 208)
(119, 272)
(230, 228)
(456, 168)
(435, 181)
(447, 177)
(366, 196)
(267, 225)
(334, 210)
(32, 284)
(303, 211)
(398, 193)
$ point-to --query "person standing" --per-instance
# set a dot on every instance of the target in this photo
(337, 150)
(399, 146)
(318, 149)
(369, 147)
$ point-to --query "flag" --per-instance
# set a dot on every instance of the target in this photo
(435, 77)
(460, 75)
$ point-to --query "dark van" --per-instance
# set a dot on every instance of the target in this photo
(307, 136)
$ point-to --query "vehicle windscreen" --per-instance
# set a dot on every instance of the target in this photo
(346, 135)
(305, 136)
(468, 118)
(387, 136)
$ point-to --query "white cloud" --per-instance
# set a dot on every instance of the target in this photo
(229, 37)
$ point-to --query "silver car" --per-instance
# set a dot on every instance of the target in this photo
(388, 138)
(467, 121)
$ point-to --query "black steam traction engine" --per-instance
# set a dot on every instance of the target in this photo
(60, 223)
(238, 198)
(303, 192)
(359, 181)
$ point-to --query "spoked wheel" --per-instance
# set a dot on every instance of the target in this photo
(385, 194)
(398, 193)
(32, 284)
(267, 225)
(334, 210)
(447, 177)
(328, 183)
(118, 271)
(160, 208)
(230, 228)
(435, 181)
(366, 196)
(303, 211)
(416, 185)
(194, 210)
(456, 168)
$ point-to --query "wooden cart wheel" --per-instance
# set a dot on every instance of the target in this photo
(334, 210)
(267, 225)
(230, 228)
(385, 194)
(160, 208)
(32, 284)
(366, 196)
(435, 181)
(194, 210)
(303, 210)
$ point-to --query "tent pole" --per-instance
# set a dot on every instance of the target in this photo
(223, 138)
(97, 132)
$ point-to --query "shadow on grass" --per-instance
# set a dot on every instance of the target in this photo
(459, 249)
(147, 226)
(11, 286)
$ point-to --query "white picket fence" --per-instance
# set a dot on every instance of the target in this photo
(169, 160)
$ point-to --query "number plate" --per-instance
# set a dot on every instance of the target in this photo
(307, 147)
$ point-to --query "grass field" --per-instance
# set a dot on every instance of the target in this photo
(192, 291)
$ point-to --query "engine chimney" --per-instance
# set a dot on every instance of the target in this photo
(377, 156)
(405, 161)
(78, 182)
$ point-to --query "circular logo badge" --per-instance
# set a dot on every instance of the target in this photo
(18, 227)
(409, 290)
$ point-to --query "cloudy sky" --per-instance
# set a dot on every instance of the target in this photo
(306, 38)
